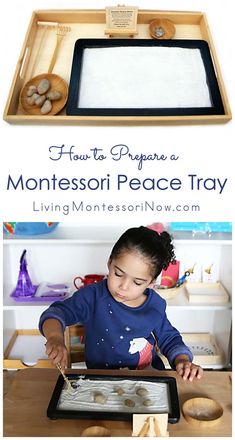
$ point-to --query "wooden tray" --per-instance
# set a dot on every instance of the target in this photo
(206, 293)
(35, 58)
(204, 348)
(19, 351)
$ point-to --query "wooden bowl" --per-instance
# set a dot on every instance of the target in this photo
(202, 411)
(57, 83)
(96, 431)
(170, 293)
(162, 29)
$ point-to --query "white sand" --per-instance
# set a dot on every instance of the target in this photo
(83, 397)
(143, 77)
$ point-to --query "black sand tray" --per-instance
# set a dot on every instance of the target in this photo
(54, 412)
(74, 107)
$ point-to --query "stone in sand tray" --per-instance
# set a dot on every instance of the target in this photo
(119, 390)
(129, 402)
(100, 398)
(148, 402)
(142, 392)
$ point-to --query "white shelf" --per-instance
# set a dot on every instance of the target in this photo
(215, 237)
(9, 303)
(73, 234)
(109, 234)
(181, 300)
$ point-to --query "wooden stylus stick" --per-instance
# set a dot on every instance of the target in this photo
(65, 377)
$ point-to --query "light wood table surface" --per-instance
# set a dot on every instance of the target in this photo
(26, 402)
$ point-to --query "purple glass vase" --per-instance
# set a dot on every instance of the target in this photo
(24, 286)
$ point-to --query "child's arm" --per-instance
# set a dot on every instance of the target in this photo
(172, 346)
(186, 368)
(55, 346)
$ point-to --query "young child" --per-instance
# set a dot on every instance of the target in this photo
(124, 319)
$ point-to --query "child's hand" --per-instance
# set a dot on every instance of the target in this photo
(188, 370)
(57, 352)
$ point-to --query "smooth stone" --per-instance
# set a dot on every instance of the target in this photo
(31, 90)
(120, 391)
(40, 100)
(100, 398)
(54, 95)
(148, 402)
(159, 32)
(31, 99)
(43, 86)
(46, 108)
(129, 402)
(141, 392)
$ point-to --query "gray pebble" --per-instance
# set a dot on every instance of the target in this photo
(43, 86)
(40, 100)
(31, 99)
(159, 32)
(31, 90)
(54, 95)
(46, 108)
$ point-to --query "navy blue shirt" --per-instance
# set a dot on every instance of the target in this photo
(116, 335)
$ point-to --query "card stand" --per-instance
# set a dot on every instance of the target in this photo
(26, 350)
(121, 21)
(150, 426)
(40, 43)
(204, 347)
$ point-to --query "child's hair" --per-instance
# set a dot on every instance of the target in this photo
(158, 248)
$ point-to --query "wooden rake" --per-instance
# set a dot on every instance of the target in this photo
(61, 32)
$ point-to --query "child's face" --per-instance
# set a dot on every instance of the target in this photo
(129, 276)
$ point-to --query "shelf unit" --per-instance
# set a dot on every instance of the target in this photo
(73, 249)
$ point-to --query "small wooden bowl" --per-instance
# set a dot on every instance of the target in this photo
(57, 83)
(161, 29)
(96, 431)
(202, 411)
(170, 293)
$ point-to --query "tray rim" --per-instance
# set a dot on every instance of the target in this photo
(54, 413)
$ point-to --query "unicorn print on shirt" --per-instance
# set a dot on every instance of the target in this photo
(144, 348)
